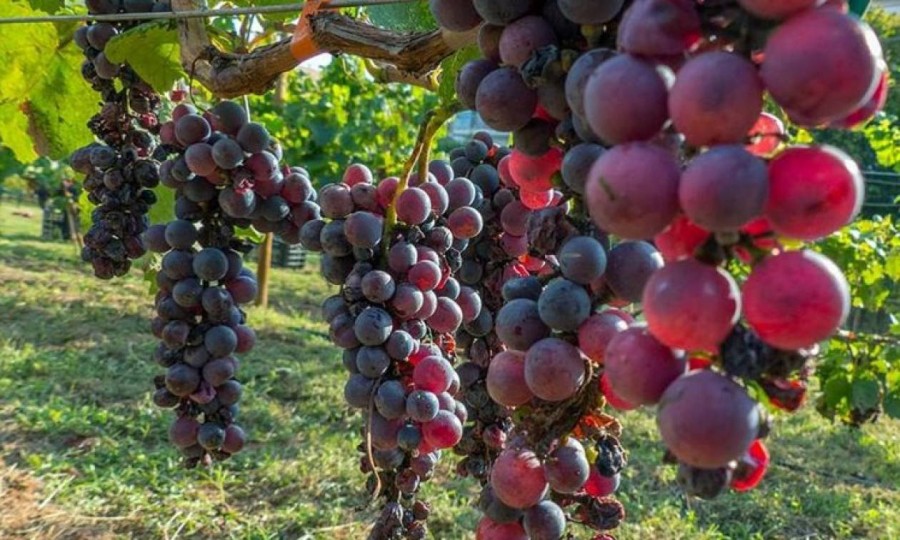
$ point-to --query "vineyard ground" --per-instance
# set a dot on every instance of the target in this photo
(83, 452)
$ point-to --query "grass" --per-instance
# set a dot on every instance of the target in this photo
(84, 451)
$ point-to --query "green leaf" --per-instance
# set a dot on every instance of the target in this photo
(866, 394)
(836, 389)
(858, 7)
(892, 404)
(450, 68)
(249, 234)
(153, 52)
(49, 6)
(60, 105)
(402, 17)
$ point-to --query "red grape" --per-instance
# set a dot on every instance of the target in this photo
(796, 299)
(506, 379)
(554, 369)
(625, 100)
(659, 28)
(751, 467)
(595, 334)
(639, 367)
(465, 222)
(680, 240)
(598, 485)
(455, 15)
(632, 190)
(567, 467)
(614, 401)
(716, 98)
(518, 478)
(813, 191)
(490, 530)
(434, 374)
(535, 173)
(707, 420)
(504, 101)
(820, 65)
(524, 36)
(690, 305)
(445, 431)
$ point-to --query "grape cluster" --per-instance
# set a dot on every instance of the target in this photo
(121, 170)
(642, 122)
(395, 318)
(201, 328)
(223, 164)
(225, 173)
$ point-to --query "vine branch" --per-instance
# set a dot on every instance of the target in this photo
(228, 74)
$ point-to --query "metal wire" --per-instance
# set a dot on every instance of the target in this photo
(195, 14)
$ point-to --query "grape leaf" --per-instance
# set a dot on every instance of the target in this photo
(836, 389)
(60, 106)
(450, 68)
(892, 404)
(152, 50)
(402, 17)
(865, 394)
(48, 6)
(45, 103)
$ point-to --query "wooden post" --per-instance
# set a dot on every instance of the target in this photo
(262, 270)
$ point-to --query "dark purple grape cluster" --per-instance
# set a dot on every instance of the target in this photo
(222, 163)
(202, 284)
(226, 174)
(395, 318)
(121, 170)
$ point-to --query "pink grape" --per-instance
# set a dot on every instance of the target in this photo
(625, 100)
(447, 317)
(598, 485)
(535, 173)
(504, 101)
(595, 334)
(639, 367)
(707, 420)
(429, 306)
(680, 239)
(813, 191)
(716, 98)
(567, 467)
(554, 369)
(659, 28)
(413, 206)
(796, 299)
(611, 398)
(820, 65)
(690, 305)
(445, 431)
(490, 530)
(465, 222)
(426, 275)
(506, 379)
(524, 36)
(724, 188)
(518, 478)
(535, 200)
(433, 374)
(632, 190)
(385, 191)
(514, 218)
(357, 174)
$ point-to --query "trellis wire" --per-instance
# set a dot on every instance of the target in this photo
(195, 14)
